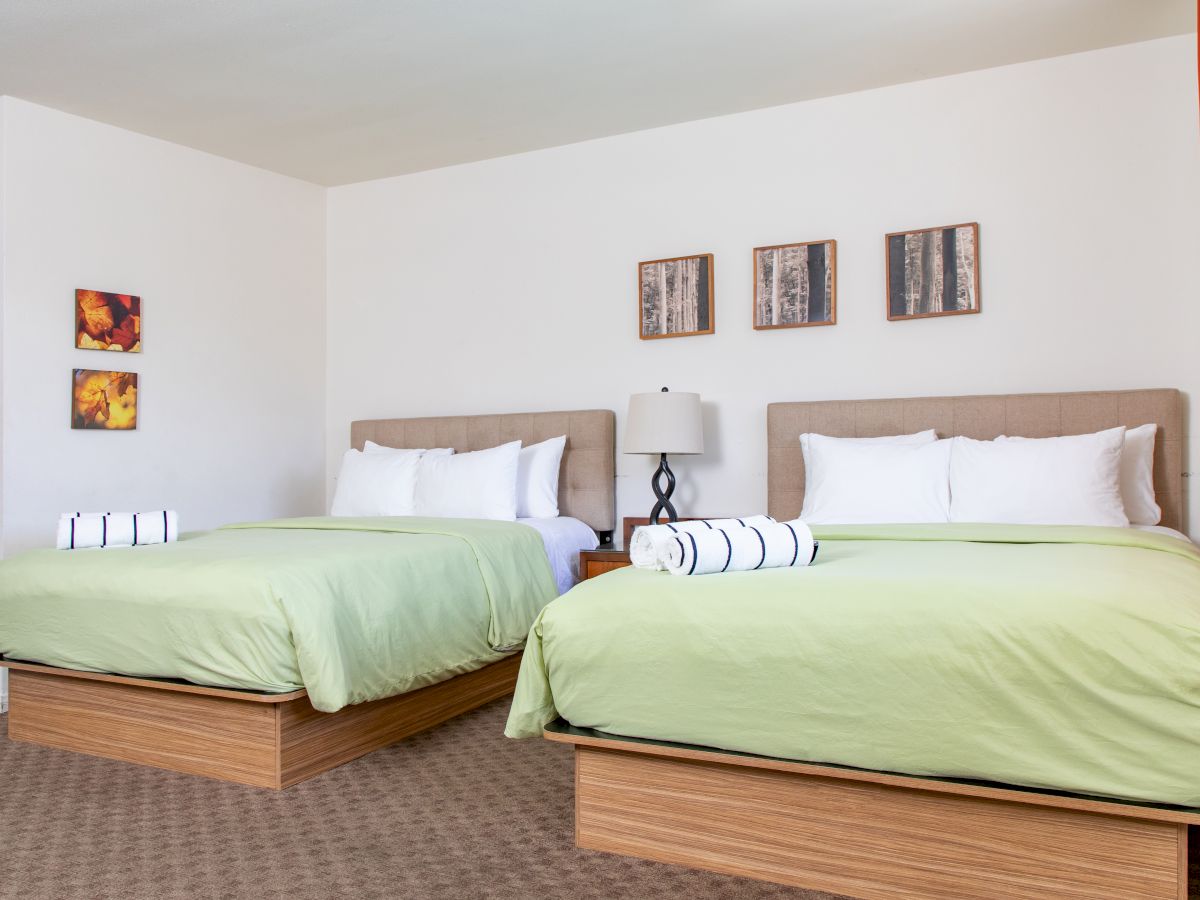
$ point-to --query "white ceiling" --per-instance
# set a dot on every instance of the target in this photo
(336, 92)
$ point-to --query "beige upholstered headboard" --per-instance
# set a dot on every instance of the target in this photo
(980, 417)
(586, 486)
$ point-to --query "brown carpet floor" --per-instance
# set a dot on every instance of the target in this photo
(456, 813)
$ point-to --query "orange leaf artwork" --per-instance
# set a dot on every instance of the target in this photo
(104, 400)
(108, 321)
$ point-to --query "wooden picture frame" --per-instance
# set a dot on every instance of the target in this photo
(108, 321)
(918, 289)
(675, 299)
(771, 314)
(104, 400)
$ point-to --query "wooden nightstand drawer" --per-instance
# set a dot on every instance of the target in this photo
(597, 562)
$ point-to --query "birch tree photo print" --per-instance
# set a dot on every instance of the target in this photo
(675, 296)
(795, 285)
(933, 272)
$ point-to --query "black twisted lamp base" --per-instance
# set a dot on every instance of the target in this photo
(664, 496)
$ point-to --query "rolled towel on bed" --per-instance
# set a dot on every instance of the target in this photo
(650, 543)
(770, 546)
(77, 531)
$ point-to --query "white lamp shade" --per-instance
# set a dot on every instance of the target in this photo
(664, 422)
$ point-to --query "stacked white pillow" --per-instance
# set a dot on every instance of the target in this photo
(1104, 478)
(1039, 481)
(504, 482)
(376, 484)
(481, 484)
(1135, 476)
(870, 481)
(537, 479)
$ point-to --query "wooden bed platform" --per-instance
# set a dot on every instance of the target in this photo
(871, 835)
(264, 740)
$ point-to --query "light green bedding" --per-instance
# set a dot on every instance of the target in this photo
(1054, 657)
(351, 609)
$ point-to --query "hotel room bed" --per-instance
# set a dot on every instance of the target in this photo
(349, 609)
(935, 710)
(328, 636)
(1052, 657)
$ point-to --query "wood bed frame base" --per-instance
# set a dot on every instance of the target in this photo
(264, 740)
(867, 834)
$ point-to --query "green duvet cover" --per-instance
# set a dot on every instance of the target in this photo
(351, 609)
(1054, 657)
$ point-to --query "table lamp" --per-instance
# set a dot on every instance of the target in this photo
(660, 423)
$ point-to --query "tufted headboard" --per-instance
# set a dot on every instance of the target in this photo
(983, 417)
(586, 486)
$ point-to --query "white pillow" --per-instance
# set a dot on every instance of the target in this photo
(376, 484)
(372, 447)
(1039, 481)
(477, 485)
(1137, 474)
(876, 482)
(537, 479)
(915, 440)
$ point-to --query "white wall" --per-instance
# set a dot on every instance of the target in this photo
(511, 284)
(229, 262)
(3, 180)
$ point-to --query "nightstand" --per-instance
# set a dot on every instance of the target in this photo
(597, 562)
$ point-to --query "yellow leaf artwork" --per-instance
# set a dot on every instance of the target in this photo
(104, 400)
(108, 321)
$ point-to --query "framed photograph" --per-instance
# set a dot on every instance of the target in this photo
(106, 321)
(933, 272)
(675, 297)
(106, 400)
(795, 285)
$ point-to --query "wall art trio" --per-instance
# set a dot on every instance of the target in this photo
(930, 272)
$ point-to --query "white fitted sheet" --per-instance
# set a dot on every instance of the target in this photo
(1162, 529)
(564, 537)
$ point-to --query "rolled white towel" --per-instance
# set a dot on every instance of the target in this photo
(77, 531)
(771, 546)
(650, 543)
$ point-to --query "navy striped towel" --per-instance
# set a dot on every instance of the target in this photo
(774, 545)
(77, 531)
(650, 544)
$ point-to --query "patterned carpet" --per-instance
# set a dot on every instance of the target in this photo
(457, 813)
